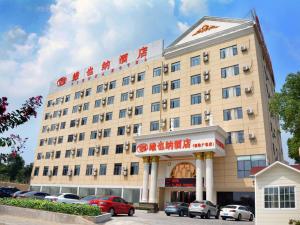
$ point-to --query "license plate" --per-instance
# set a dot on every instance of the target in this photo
(225, 214)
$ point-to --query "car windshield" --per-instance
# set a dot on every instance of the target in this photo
(105, 198)
(90, 197)
(230, 207)
(201, 202)
(173, 203)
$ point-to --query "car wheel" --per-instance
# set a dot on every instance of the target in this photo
(207, 216)
(202, 217)
(131, 212)
(239, 217)
(112, 212)
(223, 218)
(181, 213)
(168, 214)
(191, 215)
(218, 215)
(251, 218)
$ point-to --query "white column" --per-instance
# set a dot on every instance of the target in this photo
(209, 176)
(153, 184)
(199, 174)
(145, 179)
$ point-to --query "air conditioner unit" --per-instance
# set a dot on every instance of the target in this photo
(77, 122)
(131, 94)
(248, 89)
(164, 103)
(132, 78)
(100, 133)
(50, 116)
(62, 100)
(171, 124)
(205, 54)
(244, 48)
(163, 123)
(73, 151)
(59, 113)
(101, 116)
(98, 149)
(103, 101)
(126, 145)
(81, 94)
(251, 135)
(165, 85)
(250, 111)
(53, 103)
(54, 140)
(206, 117)
(48, 129)
(124, 171)
(79, 108)
(246, 68)
(166, 68)
(94, 171)
(57, 126)
(52, 153)
(128, 128)
(207, 95)
(205, 57)
(206, 75)
(129, 111)
(70, 173)
(105, 86)
(49, 174)
(75, 137)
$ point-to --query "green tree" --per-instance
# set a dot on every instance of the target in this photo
(14, 165)
(286, 105)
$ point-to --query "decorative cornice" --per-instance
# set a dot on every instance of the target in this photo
(209, 155)
(199, 155)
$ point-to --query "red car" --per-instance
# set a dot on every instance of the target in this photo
(114, 205)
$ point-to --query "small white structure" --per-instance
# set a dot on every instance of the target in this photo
(277, 193)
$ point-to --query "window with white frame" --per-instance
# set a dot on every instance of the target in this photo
(279, 197)
(229, 92)
(228, 52)
(230, 71)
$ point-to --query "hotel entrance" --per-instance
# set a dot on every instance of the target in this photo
(183, 196)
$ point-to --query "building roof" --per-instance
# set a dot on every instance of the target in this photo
(258, 170)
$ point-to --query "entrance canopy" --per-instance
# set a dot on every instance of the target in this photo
(182, 142)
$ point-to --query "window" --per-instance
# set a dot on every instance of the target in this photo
(81, 136)
(75, 109)
(76, 170)
(57, 154)
(174, 103)
(60, 139)
(117, 168)
(83, 121)
(279, 197)
(195, 60)
(45, 170)
(140, 76)
(86, 106)
(106, 132)
(110, 100)
(228, 52)
(55, 171)
(154, 125)
(195, 79)
(99, 88)
(196, 119)
(121, 131)
(108, 116)
(104, 150)
(125, 80)
(48, 154)
(122, 113)
(136, 128)
(175, 66)
(139, 93)
(112, 84)
(67, 98)
(77, 95)
(231, 92)
(68, 154)
(62, 125)
(245, 163)
(196, 99)
(97, 103)
(88, 92)
(119, 149)
(39, 156)
(155, 107)
(65, 111)
(133, 147)
(65, 170)
(134, 168)
(175, 84)
(156, 89)
(91, 151)
(79, 152)
(93, 134)
(138, 110)
(235, 137)
(230, 71)
(230, 114)
(175, 122)
(36, 171)
(47, 116)
(89, 170)
(72, 123)
(49, 103)
(157, 72)
(124, 97)
(95, 118)
(102, 170)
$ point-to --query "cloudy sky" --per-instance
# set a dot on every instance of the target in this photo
(42, 40)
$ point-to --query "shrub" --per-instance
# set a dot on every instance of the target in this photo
(294, 222)
(74, 209)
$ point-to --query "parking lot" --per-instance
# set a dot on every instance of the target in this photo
(142, 217)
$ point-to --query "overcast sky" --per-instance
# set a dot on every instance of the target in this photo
(42, 40)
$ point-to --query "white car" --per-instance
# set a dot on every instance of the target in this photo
(237, 212)
(64, 198)
(204, 209)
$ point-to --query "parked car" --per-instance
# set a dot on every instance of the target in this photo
(114, 205)
(18, 193)
(204, 209)
(87, 199)
(179, 208)
(64, 198)
(34, 195)
(6, 192)
(237, 212)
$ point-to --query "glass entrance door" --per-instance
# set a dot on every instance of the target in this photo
(183, 196)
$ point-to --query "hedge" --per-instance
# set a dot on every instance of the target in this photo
(74, 209)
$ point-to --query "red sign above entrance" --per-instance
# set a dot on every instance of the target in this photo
(180, 182)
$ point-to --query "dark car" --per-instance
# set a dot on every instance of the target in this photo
(34, 195)
(18, 193)
(6, 192)
(179, 208)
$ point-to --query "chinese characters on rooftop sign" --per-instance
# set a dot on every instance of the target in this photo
(108, 66)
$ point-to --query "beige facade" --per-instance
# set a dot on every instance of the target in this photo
(259, 134)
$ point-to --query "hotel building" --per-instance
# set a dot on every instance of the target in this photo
(157, 124)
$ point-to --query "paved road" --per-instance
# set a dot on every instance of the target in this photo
(15, 220)
(143, 218)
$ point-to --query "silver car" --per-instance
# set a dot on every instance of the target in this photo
(237, 212)
(204, 209)
(64, 198)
